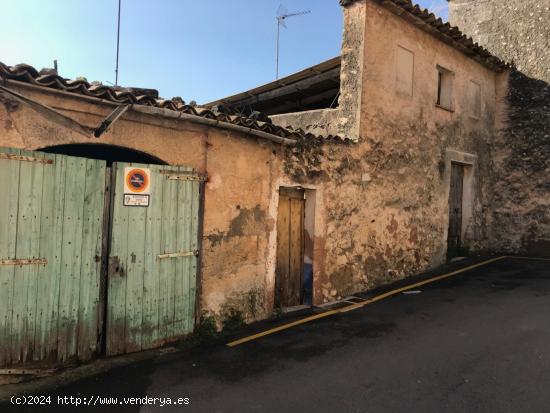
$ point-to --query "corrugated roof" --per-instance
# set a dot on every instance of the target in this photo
(289, 81)
(442, 30)
(48, 78)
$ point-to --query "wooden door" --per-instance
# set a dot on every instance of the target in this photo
(51, 216)
(290, 248)
(152, 267)
(455, 207)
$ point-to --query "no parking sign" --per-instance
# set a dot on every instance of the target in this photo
(137, 186)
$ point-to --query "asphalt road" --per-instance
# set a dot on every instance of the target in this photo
(477, 342)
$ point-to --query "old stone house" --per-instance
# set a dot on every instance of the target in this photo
(360, 171)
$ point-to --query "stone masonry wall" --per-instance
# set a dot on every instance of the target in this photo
(519, 32)
(521, 198)
(386, 196)
(381, 203)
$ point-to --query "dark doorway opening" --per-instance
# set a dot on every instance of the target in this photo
(456, 195)
(108, 153)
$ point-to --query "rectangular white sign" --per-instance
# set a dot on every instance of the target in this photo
(136, 200)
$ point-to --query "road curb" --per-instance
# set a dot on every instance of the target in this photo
(71, 375)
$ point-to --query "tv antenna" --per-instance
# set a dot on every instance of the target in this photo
(282, 15)
(438, 7)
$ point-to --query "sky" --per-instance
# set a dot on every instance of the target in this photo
(197, 50)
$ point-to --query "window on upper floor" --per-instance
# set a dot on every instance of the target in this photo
(474, 99)
(445, 79)
(405, 71)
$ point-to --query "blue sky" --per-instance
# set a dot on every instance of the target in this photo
(198, 50)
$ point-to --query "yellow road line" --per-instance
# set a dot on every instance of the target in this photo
(280, 328)
(359, 305)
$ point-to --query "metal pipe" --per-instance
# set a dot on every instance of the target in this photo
(211, 122)
(149, 110)
(278, 32)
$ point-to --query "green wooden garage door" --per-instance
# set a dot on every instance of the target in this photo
(58, 229)
(152, 259)
(51, 214)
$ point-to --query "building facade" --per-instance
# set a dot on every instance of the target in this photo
(393, 177)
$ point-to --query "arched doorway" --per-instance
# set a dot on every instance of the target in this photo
(108, 153)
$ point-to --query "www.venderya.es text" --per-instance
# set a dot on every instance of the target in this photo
(98, 401)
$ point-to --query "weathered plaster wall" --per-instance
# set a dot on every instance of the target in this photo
(386, 197)
(237, 274)
(318, 122)
(379, 205)
(519, 32)
(237, 225)
(421, 134)
(162, 138)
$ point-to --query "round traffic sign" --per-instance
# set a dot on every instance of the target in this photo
(137, 180)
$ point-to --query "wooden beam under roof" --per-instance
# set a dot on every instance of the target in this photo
(300, 86)
(302, 103)
(238, 99)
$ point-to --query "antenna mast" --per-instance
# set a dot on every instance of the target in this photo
(282, 15)
(117, 44)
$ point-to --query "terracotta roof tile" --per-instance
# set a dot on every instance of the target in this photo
(49, 79)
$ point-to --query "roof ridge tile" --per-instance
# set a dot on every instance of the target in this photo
(452, 32)
(28, 74)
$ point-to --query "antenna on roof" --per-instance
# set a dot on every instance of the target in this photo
(438, 7)
(282, 15)
(117, 44)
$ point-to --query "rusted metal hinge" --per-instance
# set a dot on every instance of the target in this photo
(28, 261)
(179, 254)
(14, 157)
(185, 177)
